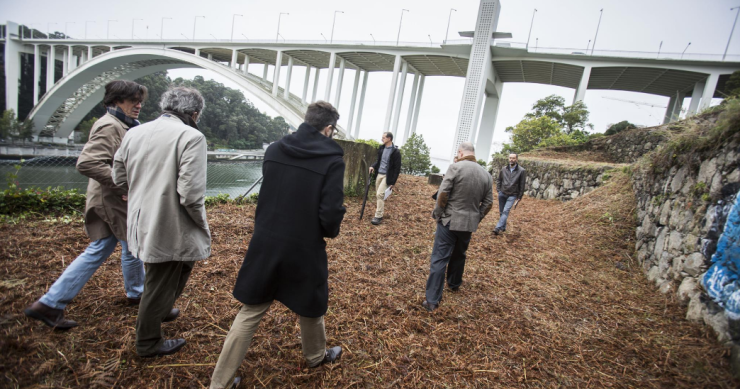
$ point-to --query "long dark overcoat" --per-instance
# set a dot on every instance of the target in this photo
(300, 204)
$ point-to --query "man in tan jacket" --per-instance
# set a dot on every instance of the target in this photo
(464, 198)
(163, 165)
(105, 210)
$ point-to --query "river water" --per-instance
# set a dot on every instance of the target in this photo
(232, 178)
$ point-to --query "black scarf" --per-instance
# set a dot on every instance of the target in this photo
(118, 113)
(184, 117)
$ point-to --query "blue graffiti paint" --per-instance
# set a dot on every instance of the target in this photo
(722, 280)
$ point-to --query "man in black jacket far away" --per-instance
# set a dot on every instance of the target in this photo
(300, 204)
(388, 167)
(510, 184)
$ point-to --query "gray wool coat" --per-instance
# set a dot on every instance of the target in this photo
(163, 165)
(465, 196)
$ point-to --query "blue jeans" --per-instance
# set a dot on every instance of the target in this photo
(76, 275)
(504, 206)
(448, 254)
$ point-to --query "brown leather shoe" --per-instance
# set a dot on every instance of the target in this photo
(53, 318)
(168, 347)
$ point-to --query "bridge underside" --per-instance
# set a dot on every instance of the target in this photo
(663, 82)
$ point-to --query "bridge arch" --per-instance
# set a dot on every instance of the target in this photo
(70, 99)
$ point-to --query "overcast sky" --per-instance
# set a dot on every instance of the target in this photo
(630, 25)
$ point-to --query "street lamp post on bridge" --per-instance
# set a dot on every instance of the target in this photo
(398, 38)
(332, 26)
(731, 31)
(133, 23)
(161, 29)
(233, 19)
(601, 13)
(449, 18)
(684, 50)
(195, 20)
(278, 29)
(531, 24)
(107, 33)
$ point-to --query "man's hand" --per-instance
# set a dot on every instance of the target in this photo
(516, 203)
(371, 170)
(124, 197)
(391, 186)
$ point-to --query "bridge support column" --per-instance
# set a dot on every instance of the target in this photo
(305, 84)
(479, 67)
(362, 104)
(83, 57)
(583, 85)
(246, 64)
(71, 63)
(197, 53)
(392, 95)
(210, 57)
(234, 58)
(695, 98)
(399, 98)
(65, 62)
(315, 84)
(90, 54)
(50, 65)
(264, 73)
(286, 92)
(487, 124)
(352, 102)
(410, 114)
(709, 87)
(276, 75)
(417, 106)
(340, 81)
(330, 76)
(36, 73)
(668, 117)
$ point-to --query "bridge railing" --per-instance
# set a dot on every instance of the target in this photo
(619, 53)
(43, 167)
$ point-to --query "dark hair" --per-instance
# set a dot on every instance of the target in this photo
(388, 135)
(321, 114)
(119, 91)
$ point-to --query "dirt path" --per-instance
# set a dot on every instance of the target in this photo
(555, 302)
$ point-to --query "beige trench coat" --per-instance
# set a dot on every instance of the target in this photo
(105, 210)
(163, 165)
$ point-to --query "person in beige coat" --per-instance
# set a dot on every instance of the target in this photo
(105, 210)
(163, 165)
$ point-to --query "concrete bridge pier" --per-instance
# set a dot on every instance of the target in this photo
(580, 93)
(362, 104)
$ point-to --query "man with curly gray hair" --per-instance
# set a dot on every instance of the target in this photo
(163, 165)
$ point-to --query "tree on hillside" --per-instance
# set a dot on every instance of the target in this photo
(570, 118)
(732, 86)
(415, 156)
(619, 127)
(530, 132)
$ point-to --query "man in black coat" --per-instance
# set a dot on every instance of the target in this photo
(300, 204)
(388, 167)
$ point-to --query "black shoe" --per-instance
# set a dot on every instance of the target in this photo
(455, 289)
(174, 313)
(132, 302)
(429, 306)
(376, 220)
(331, 355)
(170, 346)
(53, 318)
(496, 231)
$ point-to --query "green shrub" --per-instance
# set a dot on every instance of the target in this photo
(370, 142)
(17, 201)
(222, 198)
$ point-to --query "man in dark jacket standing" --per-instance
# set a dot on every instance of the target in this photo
(388, 167)
(300, 204)
(510, 186)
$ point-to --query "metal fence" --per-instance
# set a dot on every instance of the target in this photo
(224, 177)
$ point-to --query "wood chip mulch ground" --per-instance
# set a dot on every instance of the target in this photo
(556, 301)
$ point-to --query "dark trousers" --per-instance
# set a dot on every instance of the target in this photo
(448, 254)
(163, 284)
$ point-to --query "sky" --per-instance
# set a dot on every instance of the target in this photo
(629, 25)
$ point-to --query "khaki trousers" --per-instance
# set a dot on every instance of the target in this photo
(380, 188)
(313, 338)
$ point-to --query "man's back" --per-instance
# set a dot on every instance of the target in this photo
(165, 169)
(300, 204)
(469, 189)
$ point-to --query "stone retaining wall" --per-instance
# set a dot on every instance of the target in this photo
(557, 179)
(674, 210)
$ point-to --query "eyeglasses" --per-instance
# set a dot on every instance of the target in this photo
(333, 130)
